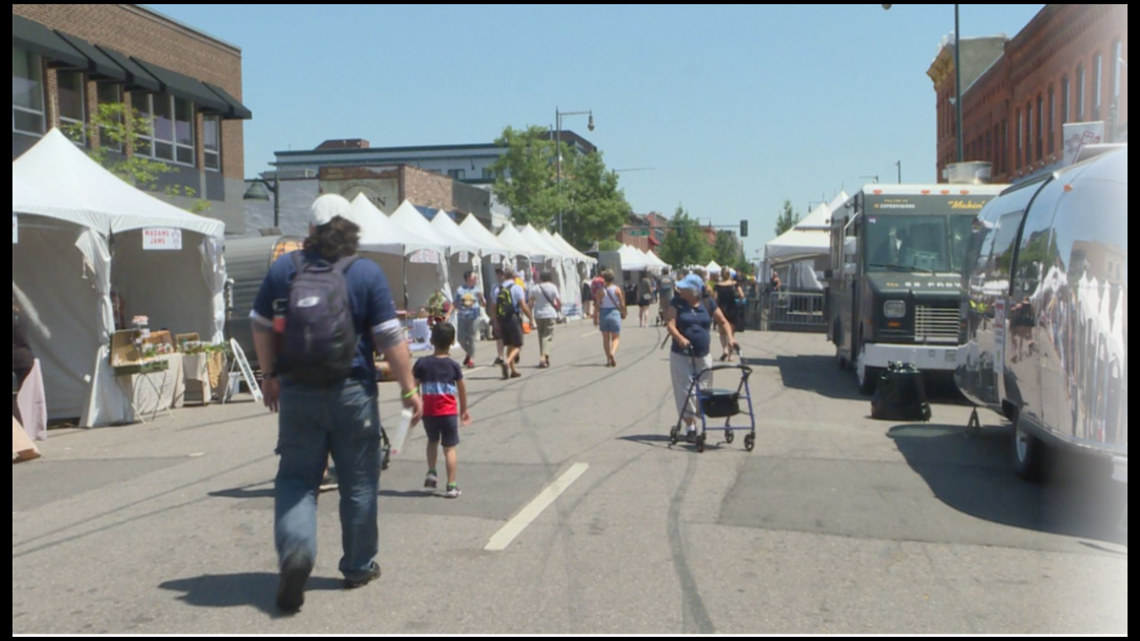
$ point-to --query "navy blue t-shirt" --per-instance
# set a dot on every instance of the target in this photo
(695, 324)
(368, 293)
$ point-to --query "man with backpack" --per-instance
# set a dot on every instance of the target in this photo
(510, 306)
(318, 319)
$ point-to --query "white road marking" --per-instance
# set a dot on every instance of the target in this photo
(593, 333)
(545, 499)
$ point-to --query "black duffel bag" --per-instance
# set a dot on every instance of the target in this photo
(901, 395)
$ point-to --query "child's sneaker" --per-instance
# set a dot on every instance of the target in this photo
(432, 481)
(452, 492)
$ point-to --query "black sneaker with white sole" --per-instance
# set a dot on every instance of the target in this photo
(295, 572)
(373, 574)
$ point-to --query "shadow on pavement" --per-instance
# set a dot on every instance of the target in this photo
(821, 374)
(256, 589)
(411, 495)
(972, 474)
(247, 492)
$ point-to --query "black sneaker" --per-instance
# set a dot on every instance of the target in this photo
(498, 361)
(291, 590)
(373, 574)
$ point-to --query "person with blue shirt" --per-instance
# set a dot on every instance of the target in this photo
(689, 319)
(469, 303)
(341, 418)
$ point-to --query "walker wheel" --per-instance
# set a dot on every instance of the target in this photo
(729, 437)
(749, 442)
(673, 436)
(701, 443)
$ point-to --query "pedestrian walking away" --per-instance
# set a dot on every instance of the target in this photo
(510, 307)
(728, 293)
(547, 306)
(469, 305)
(445, 405)
(318, 318)
(491, 309)
(587, 300)
(610, 311)
(689, 321)
(646, 292)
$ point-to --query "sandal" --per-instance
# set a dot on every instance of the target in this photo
(516, 375)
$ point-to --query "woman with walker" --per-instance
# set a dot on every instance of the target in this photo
(689, 321)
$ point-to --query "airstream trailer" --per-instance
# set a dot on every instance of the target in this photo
(1045, 312)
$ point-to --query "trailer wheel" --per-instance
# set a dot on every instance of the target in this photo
(1028, 453)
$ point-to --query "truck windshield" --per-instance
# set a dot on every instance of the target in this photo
(935, 244)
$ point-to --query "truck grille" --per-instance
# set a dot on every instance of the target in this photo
(937, 324)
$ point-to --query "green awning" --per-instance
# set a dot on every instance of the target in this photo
(183, 86)
(238, 111)
(37, 38)
(137, 77)
(98, 63)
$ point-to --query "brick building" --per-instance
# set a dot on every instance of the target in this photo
(70, 58)
(1069, 64)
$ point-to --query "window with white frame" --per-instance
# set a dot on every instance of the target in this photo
(212, 135)
(457, 174)
(72, 104)
(28, 115)
(1117, 61)
(109, 94)
(1098, 68)
(172, 120)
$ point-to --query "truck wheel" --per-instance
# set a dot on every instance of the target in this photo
(868, 377)
(1028, 453)
(840, 359)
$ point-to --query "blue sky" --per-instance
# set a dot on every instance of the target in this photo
(735, 107)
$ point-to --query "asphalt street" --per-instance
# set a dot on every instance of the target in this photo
(836, 523)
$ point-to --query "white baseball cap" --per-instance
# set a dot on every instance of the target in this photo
(330, 206)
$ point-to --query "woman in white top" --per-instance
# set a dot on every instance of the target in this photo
(609, 311)
(547, 304)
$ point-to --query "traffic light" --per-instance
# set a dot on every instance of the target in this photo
(744, 229)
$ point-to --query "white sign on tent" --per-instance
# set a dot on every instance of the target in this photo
(424, 256)
(162, 239)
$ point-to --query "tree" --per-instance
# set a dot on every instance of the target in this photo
(118, 127)
(685, 243)
(592, 206)
(597, 209)
(609, 245)
(726, 252)
(788, 219)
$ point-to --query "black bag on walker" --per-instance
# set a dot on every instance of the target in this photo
(901, 395)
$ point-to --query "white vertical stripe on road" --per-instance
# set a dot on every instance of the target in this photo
(545, 499)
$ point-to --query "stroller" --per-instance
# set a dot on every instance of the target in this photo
(719, 403)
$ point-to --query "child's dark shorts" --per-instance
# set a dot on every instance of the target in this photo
(442, 428)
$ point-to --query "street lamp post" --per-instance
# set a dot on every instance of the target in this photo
(875, 178)
(558, 116)
(957, 78)
(260, 190)
(899, 165)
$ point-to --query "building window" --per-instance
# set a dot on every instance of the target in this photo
(1098, 67)
(1028, 134)
(27, 93)
(1080, 93)
(1065, 100)
(989, 150)
(1052, 117)
(1040, 126)
(457, 174)
(488, 173)
(109, 94)
(1020, 132)
(172, 122)
(212, 135)
(1117, 61)
(72, 104)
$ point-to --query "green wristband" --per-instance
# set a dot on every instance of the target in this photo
(413, 392)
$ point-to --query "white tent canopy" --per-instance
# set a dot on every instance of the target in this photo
(550, 250)
(563, 243)
(456, 238)
(632, 260)
(796, 243)
(409, 218)
(391, 246)
(487, 241)
(655, 260)
(519, 245)
(712, 268)
(79, 204)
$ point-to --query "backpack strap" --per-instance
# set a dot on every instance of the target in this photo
(343, 264)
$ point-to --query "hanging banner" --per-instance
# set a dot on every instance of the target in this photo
(464, 257)
(424, 256)
(162, 239)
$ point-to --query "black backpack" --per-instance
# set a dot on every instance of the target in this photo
(505, 304)
(320, 339)
(901, 395)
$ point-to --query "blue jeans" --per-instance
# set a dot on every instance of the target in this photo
(343, 420)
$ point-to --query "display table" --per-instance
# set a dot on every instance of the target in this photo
(154, 392)
(196, 370)
(32, 403)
